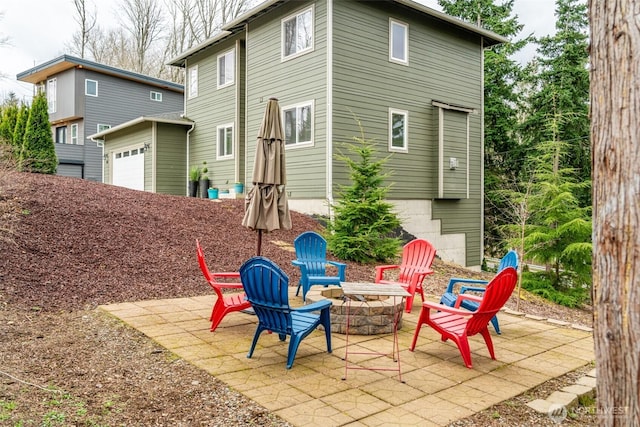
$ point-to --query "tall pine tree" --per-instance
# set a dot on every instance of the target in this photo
(502, 75)
(559, 80)
(38, 153)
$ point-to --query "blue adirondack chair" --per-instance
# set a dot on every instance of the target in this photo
(266, 286)
(475, 285)
(311, 253)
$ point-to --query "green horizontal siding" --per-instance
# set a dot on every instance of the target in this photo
(171, 161)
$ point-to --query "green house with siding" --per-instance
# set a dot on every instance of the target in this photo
(410, 76)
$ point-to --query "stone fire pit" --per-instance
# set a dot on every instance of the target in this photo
(369, 317)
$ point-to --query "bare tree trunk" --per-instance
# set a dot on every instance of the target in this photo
(143, 20)
(87, 21)
(615, 133)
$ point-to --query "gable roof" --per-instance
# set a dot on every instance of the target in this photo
(489, 38)
(174, 118)
(66, 62)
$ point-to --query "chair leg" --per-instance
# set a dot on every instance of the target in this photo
(496, 326)
(217, 314)
(422, 319)
(293, 349)
(409, 302)
(465, 351)
(325, 321)
(487, 339)
(259, 330)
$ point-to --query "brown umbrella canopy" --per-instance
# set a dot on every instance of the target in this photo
(266, 204)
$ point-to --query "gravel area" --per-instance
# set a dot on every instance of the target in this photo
(69, 245)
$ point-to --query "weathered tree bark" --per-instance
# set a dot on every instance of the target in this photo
(615, 133)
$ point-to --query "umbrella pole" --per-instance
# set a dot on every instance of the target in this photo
(259, 248)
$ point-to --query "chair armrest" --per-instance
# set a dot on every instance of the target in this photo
(472, 289)
(462, 297)
(446, 308)
(380, 269)
(226, 275)
(455, 280)
(342, 268)
(301, 265)
(318, 305)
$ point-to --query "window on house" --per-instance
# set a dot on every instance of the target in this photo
(225, 141)
(298, 124)
(91, 87)
(398, 42)
(297, 33)
(226, 68)
(193, 82)
(156, 96)
(61, 135)
(51, 95)
(74, 134)
(103, 127)
(398, 129)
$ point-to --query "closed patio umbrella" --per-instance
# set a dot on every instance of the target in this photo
(266, 204)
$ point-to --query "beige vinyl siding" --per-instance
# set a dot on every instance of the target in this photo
(170, 158)
(292, 81)
(444, 65)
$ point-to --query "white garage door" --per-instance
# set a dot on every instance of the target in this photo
(128, 168)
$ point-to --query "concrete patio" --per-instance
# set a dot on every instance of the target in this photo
(437, 388)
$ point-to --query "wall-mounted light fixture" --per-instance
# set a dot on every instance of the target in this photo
(453, 163)
(105, 156)
(147, 146)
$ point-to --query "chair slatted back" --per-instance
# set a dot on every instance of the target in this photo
(311, 248)
(509, 260)
(496, 295)
(267, 288)
(418, 254)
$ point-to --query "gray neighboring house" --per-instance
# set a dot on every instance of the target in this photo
(86, 97)
(411, 76)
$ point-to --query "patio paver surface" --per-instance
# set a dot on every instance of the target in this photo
(437, 388)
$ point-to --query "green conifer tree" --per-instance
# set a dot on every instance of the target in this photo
(364, 222)
(38, 153)
(8, 123)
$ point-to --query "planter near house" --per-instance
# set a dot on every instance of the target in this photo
(239, 187)
(204, 181)
(194, 177)
(213, 193)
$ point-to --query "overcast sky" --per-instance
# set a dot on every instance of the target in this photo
(39, 30)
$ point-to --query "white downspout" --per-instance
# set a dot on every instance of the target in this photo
(188, 149)
(329, 108)
(184, 114)
(481, 150)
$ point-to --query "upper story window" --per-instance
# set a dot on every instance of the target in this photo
(156, 96)
(91, 87)
(398, 129)
(398, 42)
(298, 124)
(192, 90)
(226, 68)
(61, 135)
(297, 33)
(102, 127)
(225, 141)
(74, 133)
(52, 94)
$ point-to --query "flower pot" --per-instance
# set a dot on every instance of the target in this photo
(193, 188)
(213, 193)
(204, 185)
(239, 187)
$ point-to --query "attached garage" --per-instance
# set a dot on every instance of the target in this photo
(128, 168)
(147, 154)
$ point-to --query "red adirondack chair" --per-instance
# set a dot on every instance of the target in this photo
(458, 324)
(225, 303)
(417, 256)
